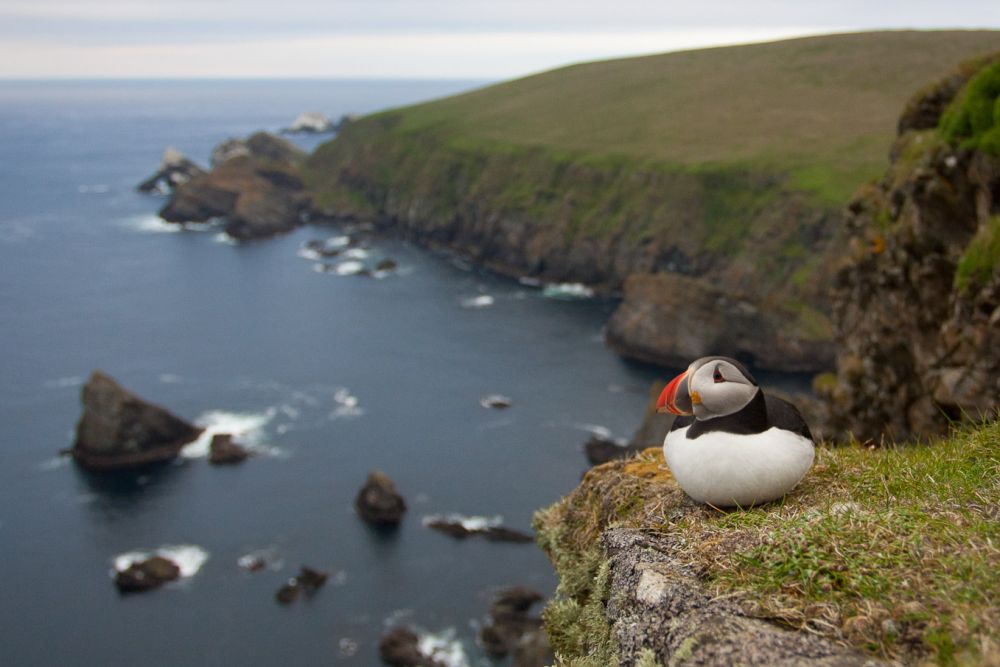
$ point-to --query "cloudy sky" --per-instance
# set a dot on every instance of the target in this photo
(414, 38)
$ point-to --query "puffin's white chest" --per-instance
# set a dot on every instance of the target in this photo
(726, 469)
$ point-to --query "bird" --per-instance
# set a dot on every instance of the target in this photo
(731, 445)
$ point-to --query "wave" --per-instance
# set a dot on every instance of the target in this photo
(65, 382)
(481, 301)
(443, 647)
(189, 558)
(567, 291)
(345, 404)
(151, 223)
(471, 523)
(247, 429)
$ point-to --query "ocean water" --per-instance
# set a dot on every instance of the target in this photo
(326, 375)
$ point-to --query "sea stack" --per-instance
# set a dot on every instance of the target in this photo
(119, 430)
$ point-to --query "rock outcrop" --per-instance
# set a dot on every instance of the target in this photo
(917, 302)
(308, 581)
(147, 574)
(119, 430)
(223, 451)
(378, 502)
(175, 169)
(254, 185)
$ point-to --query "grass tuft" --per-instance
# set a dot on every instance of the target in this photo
(981, 257)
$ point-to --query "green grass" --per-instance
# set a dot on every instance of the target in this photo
(893, 550)
(974, 119)
(981, 257)
(823, 109)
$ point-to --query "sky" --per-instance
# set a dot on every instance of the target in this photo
(444, 39)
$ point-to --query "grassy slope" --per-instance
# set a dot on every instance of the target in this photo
(895, 550)
(823, 108)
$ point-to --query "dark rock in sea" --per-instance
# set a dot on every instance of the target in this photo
(400, 647)
(254, 185)
(600, 449)
(147, 575)
(378, 502)
(533, 650)
(510, 620)
(495, 401)
(308, 581)
(459, 527)
(174, 170)
(223, 450)
(322, 248)
(386, 265)
(120, 430)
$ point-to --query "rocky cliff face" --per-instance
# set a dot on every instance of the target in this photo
(917, 302)
(740, 236)
(254, 185)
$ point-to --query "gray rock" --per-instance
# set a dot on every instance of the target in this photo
(120, 430)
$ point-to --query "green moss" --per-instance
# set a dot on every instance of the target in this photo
(981, 256)
(974, 118)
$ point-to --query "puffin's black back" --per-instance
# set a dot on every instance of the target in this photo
(786, 416)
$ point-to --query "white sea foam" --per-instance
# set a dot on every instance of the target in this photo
(306, 252)
(481, 301)
(247, 428)
(444, 648)
(345, 404)
(349, 268)
(529, 282)
(170, 378)
(152, 224)
(225, 239)
(54, 463)
(64, 382)
(355, 253)
(96, 189)
(267, 558)
(567, 291)
(189, 558)
(473, 523)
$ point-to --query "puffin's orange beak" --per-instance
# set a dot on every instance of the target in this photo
(668, 397)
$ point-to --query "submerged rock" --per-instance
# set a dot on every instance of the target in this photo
(308, 581)
(174, 170)
(378, 502)
(510, 620)
(460, 527)
(120, 430)
(147, 574)
(400, 647)
(224, 451)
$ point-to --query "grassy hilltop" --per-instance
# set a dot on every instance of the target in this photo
(823, 108)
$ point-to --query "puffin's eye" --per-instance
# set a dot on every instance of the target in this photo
(717, 376)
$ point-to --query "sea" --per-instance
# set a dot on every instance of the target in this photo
(325, 376)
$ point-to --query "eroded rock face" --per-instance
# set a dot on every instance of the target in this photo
(254, 185)
(670, 319)
(378, 502)
(918, 349)
(120, 430)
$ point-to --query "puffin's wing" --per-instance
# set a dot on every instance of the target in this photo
(784, 415)
(681, 421)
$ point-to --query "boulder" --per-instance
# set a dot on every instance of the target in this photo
(378, 502)
(224, 451)
(120, 430)
(147, 575)
(174, 169)
(400, 647)
(510, 620)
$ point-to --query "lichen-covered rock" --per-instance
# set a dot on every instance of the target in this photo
(120, 430)
(917, 302)
(378, 502)
(254, 186)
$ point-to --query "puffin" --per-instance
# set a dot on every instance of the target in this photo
(731, 445)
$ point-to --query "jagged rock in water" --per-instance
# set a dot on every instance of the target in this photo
(510, 620)
(175, 169)
(378, 502)
(461, 527)
(254, 186)
(919, 340)
(400, 647)
(120, 430)
(147, 575)
(224, 451)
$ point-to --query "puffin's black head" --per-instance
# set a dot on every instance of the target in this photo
(711, 387)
